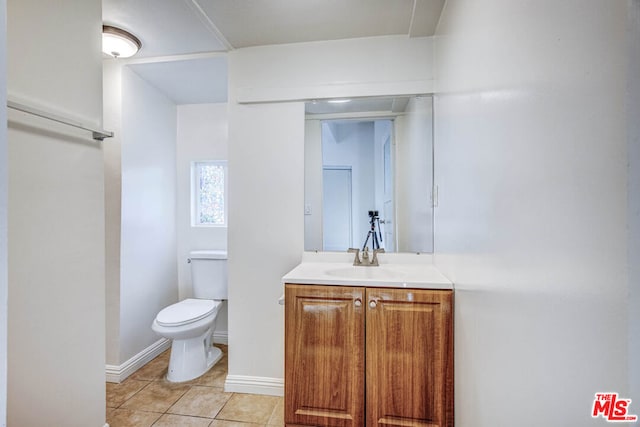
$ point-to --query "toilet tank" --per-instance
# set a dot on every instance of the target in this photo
(209, 274)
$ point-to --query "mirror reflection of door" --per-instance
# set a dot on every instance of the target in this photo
(336, 200)
(387, 215)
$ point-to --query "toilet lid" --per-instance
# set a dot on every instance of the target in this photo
(186, 311)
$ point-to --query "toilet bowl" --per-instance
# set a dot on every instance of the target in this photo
(190, 324)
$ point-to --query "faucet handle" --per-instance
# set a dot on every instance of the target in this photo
(356, 251)
(374, 260)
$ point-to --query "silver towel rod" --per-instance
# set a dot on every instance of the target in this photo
(97, 134)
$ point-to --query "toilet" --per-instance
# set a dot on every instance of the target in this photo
(190, 323)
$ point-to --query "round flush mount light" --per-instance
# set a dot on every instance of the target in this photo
(119, 43)
(339, 101)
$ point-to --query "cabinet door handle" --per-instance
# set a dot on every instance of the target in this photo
(372, 304)
(357, 302)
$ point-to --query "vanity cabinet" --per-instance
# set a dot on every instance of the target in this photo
(357, 356)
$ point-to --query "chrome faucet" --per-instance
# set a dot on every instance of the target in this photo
(365, 257)
(356, 260)
(374, 260)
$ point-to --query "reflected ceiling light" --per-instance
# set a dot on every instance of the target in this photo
(119, 43)
(338, 101)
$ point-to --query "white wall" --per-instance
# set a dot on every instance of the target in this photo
(3, 219)
(140, 199)
(56, 349)
(112, 100)
(148, 163)
(266, 169)
(313, 184)
(202, 135)
(334, 69)
(266, 156)
(148, 272)
(414, 181)
(531, 163)
(633, 181)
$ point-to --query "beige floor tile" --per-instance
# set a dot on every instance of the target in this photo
(170, 420)
(201, 402)
(117, 394)
(222, 364)
(225, 353)
(128, 418)
(251, 408)
(156, 397)
(222, 423)
(195, 381)
(277, 417)
(154, 370)
(212, 378)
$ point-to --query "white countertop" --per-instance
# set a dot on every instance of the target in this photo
(395, 271)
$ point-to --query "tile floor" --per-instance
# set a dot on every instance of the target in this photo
(146, 399)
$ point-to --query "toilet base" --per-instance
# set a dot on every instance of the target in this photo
(191, 358)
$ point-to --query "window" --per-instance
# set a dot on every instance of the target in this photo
(208, 193)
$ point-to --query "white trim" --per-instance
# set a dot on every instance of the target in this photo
(221, 337)
(254, 385)
(117, 374)
(168, 58)
(413, 18)
(204, 18)
(377, 115)
(251, 95)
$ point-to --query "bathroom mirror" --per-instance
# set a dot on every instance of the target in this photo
(369, 174)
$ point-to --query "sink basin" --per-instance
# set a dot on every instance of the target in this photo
(395, 271)
(370, 273)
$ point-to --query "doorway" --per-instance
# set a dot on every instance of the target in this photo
(336, 219)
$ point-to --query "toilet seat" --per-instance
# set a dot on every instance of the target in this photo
(187, 311)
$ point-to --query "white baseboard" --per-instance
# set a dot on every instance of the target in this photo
(117, 374)
(254, 385)
(221, 337)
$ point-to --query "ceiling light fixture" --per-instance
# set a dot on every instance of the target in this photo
(119, 43)
(338, 101)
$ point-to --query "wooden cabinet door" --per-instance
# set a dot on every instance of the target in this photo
(324, 356)
(409, 358)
